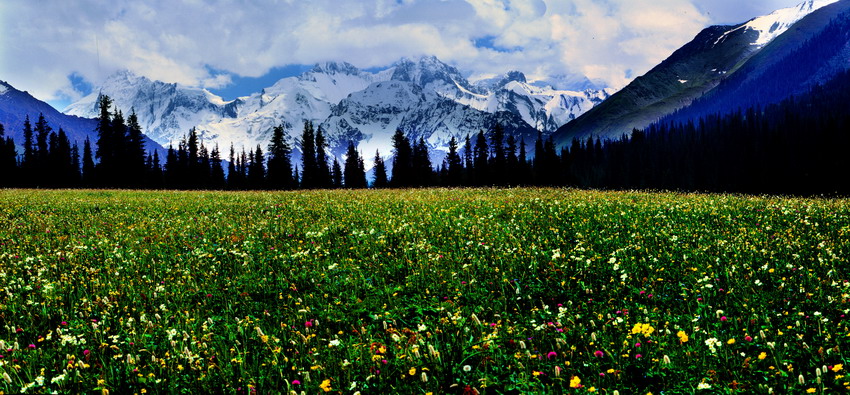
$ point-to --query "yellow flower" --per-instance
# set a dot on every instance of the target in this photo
(326, 385)
(837, 367)
(644, 329)
(731, 341)
(412, 371)
(575, 382)
(811, 391)
(763, 355)
(683, 337)
(591, 389)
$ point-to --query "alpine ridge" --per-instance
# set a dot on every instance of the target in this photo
(424, 97)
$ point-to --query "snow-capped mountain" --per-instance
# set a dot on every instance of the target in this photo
(425, 97)
(771, 26)
(16, 105)
(716, 54)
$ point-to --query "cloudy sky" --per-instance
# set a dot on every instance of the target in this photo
(58, 49)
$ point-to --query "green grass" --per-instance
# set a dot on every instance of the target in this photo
(441, 291)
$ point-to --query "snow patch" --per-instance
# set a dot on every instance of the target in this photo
(3, 88)
(683, 81)
(771, 26)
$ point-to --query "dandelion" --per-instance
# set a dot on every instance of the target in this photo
(575, 382)
(763, 355)
(837, 368)
(731, 341)
(811, 391)
(412, 371)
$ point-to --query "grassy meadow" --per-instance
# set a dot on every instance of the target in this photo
(422, 291)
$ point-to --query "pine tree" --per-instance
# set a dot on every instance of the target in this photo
(135, 151)
(422, 169)
(511, 172)
(309, 166)
(216, 171)
(336, 175)
(257, 171)
(279, 162)
(482, 152)
(498, 169)
(402, 160)
(453, 166)
(468, 166)
(355, 177)
(28, 164)
(8, 162)
(88, 175)
(42, 153)
(324, 174)
(231, 169)
(380, 172)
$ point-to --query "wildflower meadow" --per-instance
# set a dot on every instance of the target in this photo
(422, 292)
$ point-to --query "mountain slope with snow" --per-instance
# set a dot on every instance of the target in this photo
(714, 55)
(424, 97)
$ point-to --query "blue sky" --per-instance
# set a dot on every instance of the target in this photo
(59, 50)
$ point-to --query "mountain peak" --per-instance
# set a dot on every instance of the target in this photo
(772, 25)
(512, 76)
(4, 87)
(335, 68)
(427, 70)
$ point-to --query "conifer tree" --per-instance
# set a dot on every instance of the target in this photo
(402, 160)
(309, 166)
(453, 167)
(336, 175)
(421, 162)
(324, 174)
(355, 177)
(482, 152)
(279, 163)
(216, 171)
(88, 170)
(380, 172)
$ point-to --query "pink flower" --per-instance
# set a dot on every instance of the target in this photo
(724, 319)
(32, 346)
(63, 323)
(748, 338)
(638, 356)
(86, 352)
(296, 382)
(637, 344)
(308, 323)
(551, 354)
(599, 353)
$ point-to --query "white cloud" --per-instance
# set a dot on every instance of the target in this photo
(181, 41)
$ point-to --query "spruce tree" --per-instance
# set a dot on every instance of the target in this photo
(336, 175)
(482, 152)
(88, 176)
(309, 166)
(279, 163)
(402, 161)
(421, 162)
(380, 172)
(453, 166)
(324, 174)
(355, 177)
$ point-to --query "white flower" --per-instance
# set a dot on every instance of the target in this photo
(703, 386)
(467, 368)
(333, 343)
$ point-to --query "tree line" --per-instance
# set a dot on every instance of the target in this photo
(119, 159)
(797, 146)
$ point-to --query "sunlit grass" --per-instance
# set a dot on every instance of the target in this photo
(494, 291)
